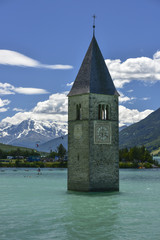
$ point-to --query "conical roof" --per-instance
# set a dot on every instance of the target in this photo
(93, 76)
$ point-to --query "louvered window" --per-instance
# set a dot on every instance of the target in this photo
(103, 112)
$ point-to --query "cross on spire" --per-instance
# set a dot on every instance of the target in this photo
(94, 16)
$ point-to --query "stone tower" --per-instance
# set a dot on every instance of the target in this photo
(93, 152)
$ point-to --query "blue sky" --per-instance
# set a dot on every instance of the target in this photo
(43, 43)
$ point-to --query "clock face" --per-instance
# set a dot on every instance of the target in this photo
(102, 133)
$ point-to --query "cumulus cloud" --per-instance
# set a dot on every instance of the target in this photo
(119, 83)
(21, 116)
(4, 102)
(56, 109)
(157, 55)
(7, 89)
(57, 103)
(129, 116)
(18, 118)
(8, 57)
(142, 69)
(123, 98)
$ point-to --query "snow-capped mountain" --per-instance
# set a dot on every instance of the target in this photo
(29, 132)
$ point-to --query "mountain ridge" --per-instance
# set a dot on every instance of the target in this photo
(53, 144)
(145, 132)
(31, 132)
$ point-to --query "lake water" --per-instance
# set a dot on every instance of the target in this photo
(35, 207)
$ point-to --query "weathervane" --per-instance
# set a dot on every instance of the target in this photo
(94, 16)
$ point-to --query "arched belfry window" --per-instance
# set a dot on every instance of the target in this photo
(103, 112)
(78, 112)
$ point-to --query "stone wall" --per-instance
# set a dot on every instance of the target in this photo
(78, 144)
(92, 166)
(104, 158)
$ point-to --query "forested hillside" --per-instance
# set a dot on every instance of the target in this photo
(146, 132)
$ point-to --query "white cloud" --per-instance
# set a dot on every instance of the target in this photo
(146, 98)
(30, 91)
(119, 83)
(4, 102)
(3, 109)
(129, 116)
(157, 55)
(6, 89)
(53, 109)
(57, 103)
(123, 98)
(56, 109)
(57, 66)
(69, 84)
(21, 116)
(8, 57)
(131, 90)
(18, 110)
(18, 118)
(141, 69)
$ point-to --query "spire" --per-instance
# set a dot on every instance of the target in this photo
(93, 76)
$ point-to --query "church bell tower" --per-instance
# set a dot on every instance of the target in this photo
(93, 145)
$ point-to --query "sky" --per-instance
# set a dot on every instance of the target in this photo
(43, 43)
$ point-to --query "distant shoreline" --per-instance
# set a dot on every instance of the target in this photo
(63, 164)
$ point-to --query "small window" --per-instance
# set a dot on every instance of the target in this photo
(79, 111)
(103, 112)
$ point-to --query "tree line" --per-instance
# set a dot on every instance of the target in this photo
(17, 153)
(136, 157)
(135, 154)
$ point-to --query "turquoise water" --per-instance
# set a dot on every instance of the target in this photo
(38, 207)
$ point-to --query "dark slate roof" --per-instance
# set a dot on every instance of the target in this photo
(93, 76)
